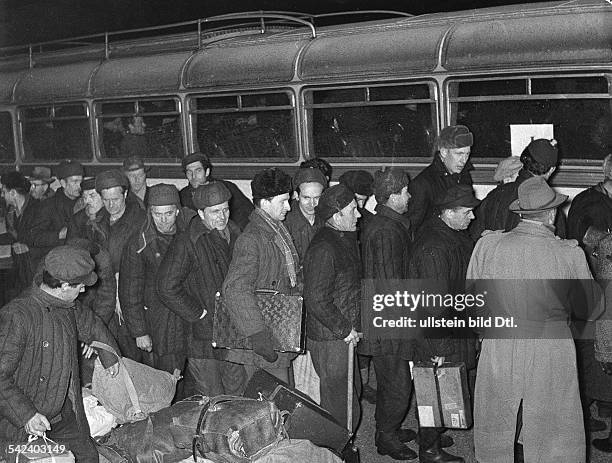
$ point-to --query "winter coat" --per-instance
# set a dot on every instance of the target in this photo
(540, 372)
(39, 359)
(591, 207)
(494, 213)
(332, 285)
(190, 275)
(55, 214)
(143, 309)
(442, 253)
(300, 229)
(430, 184)
(258, 262)
(385, 253)
(239, 205)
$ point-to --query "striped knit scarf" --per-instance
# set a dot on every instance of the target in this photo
(284, 241)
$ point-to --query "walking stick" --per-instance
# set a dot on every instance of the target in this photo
(350, 453)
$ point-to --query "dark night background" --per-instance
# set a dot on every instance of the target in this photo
(31, 21)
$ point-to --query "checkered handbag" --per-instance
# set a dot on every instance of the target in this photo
(283, 315)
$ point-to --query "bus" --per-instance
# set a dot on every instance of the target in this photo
(362, 90)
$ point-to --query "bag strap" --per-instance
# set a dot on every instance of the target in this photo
(123, 373)
(196, 435)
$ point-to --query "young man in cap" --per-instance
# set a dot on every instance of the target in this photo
(136, 172)
(39, 372)
(332, 288)
(385, 253)
(120, 220)
(156, 329)
(450, 167)
(536, 366)
(40, 182)
(301, 221)
(539, 159)
(190, 275)
(23, 213)
(264, 257)
(197, 168)
(56, 212)
(442, 252)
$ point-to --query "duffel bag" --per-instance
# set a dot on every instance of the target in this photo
(237, 429)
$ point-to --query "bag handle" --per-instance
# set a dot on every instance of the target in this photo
(123, 373)
(46, 440)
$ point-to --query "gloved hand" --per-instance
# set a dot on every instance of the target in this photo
(262, 347)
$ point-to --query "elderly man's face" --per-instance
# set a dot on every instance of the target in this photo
(137, 179)
(164, 217)
(459, 218)
(38, 188)
(215, 217)
(277, 207)
(308, 197)
(72, 186)
(196, 174)
(92, 200)
(455, 159)
(114, 200)
(346, 219)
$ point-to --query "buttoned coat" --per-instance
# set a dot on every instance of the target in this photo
(300, 229)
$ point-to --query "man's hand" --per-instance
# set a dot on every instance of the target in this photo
(20, 248)
(62, 233)
(144, 343)
(353, 337)
(37, 425)
(88, 351)
(113, 370)
(438, 360)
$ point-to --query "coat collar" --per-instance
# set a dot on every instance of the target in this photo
(197, 229)
(440, 168)
(385, 211)
(534, 228)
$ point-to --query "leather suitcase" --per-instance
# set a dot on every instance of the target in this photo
(307, 420)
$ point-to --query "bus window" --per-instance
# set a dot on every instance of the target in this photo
(580, 109)
(7, 147)
(147, 128)
(55, 132)
(245, 126)
(372, 122)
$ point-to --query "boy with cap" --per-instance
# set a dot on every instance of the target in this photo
(39, 374)
(56, 212)
(442, 252)
(385, 253)
(156, 329)
(264, 258)
(332, 288)
(197, 168)
(301, 220)
(539, 159)
(40, 182)
(136, 172)
(450, 167)
(190, 275)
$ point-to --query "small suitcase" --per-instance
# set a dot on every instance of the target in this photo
(307, 420)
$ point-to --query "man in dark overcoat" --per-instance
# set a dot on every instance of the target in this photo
(385, 252)
(442, 252)
(190, 275)
(40, 390)
(332, 288)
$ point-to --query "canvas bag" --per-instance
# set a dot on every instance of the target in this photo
(237, 429)
(136, 391)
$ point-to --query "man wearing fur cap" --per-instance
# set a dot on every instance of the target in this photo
(264, 258)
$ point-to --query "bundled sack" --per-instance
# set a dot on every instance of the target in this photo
(100, 421)
(238, 430)
(136, 391)
(41, 450)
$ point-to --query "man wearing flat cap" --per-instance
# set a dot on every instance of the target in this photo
(264, 257)
(301, 221)
(40, 182)
(158, 332)
(56, 212)
(120, 220)
(360, 183)
(539, 159)
(190, 275)
(198, 168)
(385, 253)
(450, 167)
(332, 288)
(442, 252)
(136, 172)
(531, 369)
(39, 371)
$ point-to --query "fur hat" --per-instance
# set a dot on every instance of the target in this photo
(455, 136)
(307, 175)
(358, 181)
(333, 200)
(269, 183)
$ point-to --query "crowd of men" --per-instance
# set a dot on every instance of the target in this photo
(153, 259)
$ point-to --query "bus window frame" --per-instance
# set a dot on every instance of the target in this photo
(528, 96)
(15, 147)
(21, 120)
(191, 102)
(433, 101)
(97, 115)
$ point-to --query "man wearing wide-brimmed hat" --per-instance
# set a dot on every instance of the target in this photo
(40, 182)
(536, 366)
